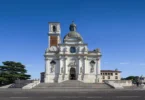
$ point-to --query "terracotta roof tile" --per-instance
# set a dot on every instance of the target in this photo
(110, 71)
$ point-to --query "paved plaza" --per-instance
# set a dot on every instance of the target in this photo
(18, 94)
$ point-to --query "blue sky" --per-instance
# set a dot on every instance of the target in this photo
(117, 27)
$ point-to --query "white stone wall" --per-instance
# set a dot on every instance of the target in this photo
(64, 57)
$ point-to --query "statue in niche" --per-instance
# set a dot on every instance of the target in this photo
(52, 63)
(52, 68)
(80, 49)
(92, 69)
(85, 49)
(62, 69)
(62, 77)
(92, 63)
(81, 69)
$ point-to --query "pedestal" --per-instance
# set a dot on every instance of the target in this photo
(98, 79)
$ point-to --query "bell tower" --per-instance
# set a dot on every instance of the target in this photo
(54, 34)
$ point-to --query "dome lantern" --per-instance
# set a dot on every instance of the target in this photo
(72, 26)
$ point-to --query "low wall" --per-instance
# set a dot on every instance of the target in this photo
(124, 82)
(6, 86)
(119, 84)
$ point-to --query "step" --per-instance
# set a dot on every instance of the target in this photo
(72, 84)
(133, 87)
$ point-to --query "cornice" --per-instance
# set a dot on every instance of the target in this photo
(84, 44)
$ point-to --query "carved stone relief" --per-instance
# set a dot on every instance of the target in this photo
(72, 64)
(53, 48)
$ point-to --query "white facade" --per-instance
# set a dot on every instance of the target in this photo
(71, 59)
(110, 75)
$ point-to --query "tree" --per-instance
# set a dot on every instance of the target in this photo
(133, 78)
(11, 71)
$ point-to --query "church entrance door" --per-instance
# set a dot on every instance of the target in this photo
(72, 74)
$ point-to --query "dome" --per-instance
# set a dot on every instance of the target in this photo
(73, 34)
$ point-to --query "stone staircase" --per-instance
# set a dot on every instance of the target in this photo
(72, 84)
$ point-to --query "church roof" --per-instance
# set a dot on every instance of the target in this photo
(73, 34)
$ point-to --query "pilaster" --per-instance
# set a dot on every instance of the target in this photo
(85, 65)
(80, 69)
(98, 65)
(65, 65)
(47, 69)
(98, 70)
(61, 68)
(79, 65)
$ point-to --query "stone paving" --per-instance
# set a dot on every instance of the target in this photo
(77, 95)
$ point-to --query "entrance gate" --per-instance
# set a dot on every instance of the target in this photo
(72, 74)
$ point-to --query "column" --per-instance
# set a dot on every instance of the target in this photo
(61, 65)
(98, 66)
(66, 65)
(80, 69)
(98, 76)
(47, 69)
(79, 65)
(65, 69)
(84, 75)
(61, 69)
(85, 65)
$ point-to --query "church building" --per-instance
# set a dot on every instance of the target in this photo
(70, 58)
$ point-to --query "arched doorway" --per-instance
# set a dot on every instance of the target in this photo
(72, 74)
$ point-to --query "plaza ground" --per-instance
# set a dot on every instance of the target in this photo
(100, 94)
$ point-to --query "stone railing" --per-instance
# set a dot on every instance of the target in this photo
(31, 85)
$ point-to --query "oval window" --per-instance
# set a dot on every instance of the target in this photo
(72, 49)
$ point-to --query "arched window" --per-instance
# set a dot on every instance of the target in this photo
(54, 28)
